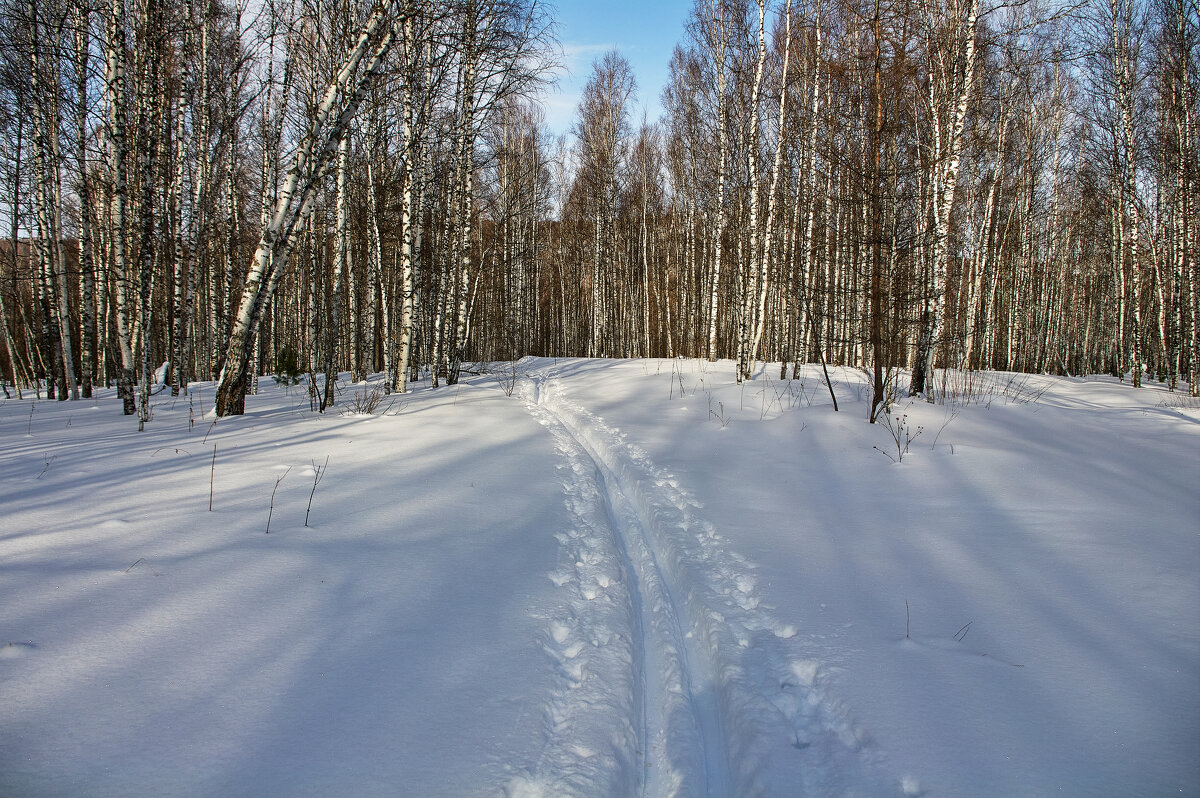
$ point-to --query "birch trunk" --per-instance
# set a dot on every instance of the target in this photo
(410, 143)
(465, 189)
(341, 264)
(720, 34)
(776, 172)
(379, 277)
(951, 85)
(293, 204)
(149, 122)
(87, 272)
(44, 82)
(1125, 67)
(114, 86)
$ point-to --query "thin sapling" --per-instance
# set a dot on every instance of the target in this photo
(318, 473)
(271, 510)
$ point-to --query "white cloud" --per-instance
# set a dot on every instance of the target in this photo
(561, 101)
(578, 57)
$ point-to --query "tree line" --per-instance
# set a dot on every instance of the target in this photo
(335, 185)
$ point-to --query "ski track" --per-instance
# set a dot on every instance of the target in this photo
(674, 679)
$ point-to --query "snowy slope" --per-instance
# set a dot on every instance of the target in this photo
(1065, 531)
(167, 650)
(626, 577)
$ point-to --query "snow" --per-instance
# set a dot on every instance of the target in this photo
(626, 577)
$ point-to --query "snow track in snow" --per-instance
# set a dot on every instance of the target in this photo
(676, 681)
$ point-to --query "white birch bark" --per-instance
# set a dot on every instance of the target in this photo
(87, 272)
(465, 189)
(47, 198)
(718, 235)
(293, 204)
(410, 144)
(1125, 69)
(114, 87)
(951, 85)
(379, 276)
(341, 264)
(750, 285)
(776, 172)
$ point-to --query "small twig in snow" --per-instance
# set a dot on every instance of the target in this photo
(50, 459)
(176, 449)
(318, 473)
(953, 414)
(211, 477)
(271, 511)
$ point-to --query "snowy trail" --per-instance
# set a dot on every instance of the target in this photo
(680, 739)
(722, 701)
(629, 718)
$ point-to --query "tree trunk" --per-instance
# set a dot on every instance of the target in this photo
(294, 203)
(951, 85)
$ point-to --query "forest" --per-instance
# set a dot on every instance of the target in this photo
(218, 190)
(363, 433)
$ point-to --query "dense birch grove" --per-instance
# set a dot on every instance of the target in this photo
(209, 190)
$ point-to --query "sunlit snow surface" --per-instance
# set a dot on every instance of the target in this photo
(605, 578)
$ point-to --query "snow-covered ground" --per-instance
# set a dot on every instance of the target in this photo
(605, 578)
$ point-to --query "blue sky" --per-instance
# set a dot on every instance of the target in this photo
(644, 31)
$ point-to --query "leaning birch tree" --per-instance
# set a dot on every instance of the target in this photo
(315, 154)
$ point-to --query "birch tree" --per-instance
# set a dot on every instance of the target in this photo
(314, 156)
(602, 131)
(712, 29)
(749, 284)
(116, 134)
(951, 50)
(44, 71)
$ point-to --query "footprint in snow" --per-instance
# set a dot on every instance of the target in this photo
(559, 579)
(804, 672)
(748, 602)
(573, 671)
(16, 650)
(560, 631)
